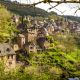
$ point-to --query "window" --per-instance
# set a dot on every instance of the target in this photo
(11, 56)
(0, 51)
(31, 47)
(8, 49)
(8, 56)
(10, 63)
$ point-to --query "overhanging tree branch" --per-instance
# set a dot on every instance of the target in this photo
(59, 2)
(56, 8)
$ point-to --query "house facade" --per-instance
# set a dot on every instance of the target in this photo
(8, 56)
(31, 47)
(31, 34)
(21, 41)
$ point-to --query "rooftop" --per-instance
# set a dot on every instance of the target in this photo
(5, 49)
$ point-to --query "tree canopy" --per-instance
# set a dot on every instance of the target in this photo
(7, 28)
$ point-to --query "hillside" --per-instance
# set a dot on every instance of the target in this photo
(48, 50)
(24, 9)
(73, 18)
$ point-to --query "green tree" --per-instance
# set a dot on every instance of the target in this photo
(7, 28)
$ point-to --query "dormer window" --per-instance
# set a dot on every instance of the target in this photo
(8, 49)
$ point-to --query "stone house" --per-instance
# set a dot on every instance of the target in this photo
(21, 41)
(40, 35)
(31, 47)
(15, 19)
(40, 32)
(34, 22)
(50, 29)
(8, 56)
(31, 34)
(38, 48)
(15, 47)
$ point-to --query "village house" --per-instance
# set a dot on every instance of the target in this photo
(41, 32)
(40, 35)
(15, 19)
(38, 48)
(21, 41)
(15, 46)
(31, 47)
(8, 56)
(31, 34)
(49, 28)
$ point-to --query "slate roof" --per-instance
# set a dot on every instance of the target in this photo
(5, 49)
